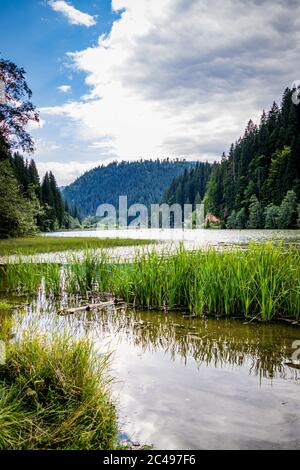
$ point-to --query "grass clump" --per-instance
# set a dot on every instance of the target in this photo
(43, 244)
(261, 282)
(54, 395)
(5, 305)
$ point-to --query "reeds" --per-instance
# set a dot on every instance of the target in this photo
(262, 281)
(54, 394)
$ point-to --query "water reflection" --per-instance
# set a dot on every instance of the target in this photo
(186, 383)
(265, 350)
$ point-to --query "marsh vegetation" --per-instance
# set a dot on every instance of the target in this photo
(260, 282)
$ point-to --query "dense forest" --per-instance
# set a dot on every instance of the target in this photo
(26, 204)
(190, 187)
(257, 185)
(143, 182)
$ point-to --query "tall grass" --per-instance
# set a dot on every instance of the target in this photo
(262, 281)
(54, 395)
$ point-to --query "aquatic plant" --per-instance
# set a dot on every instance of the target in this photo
(262, 281)
(54, 394)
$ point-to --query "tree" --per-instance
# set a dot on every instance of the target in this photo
(271, 216)
(18, 214)
(57, 198)
(279, 179)
(16, 111)
(241, 219)
(288, 212)
(34, 179)
(232, 221)
(256, 216)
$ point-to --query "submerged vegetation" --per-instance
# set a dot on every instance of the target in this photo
(261, 282)
(35, 245)
(54, 394)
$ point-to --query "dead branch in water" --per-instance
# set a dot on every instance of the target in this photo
(86, 308)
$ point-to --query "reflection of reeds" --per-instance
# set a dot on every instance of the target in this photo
(264, 349)
(261, 282)
(218, 343)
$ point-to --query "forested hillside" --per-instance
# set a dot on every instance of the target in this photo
(257, 185)
(144, 182)
(190, 187)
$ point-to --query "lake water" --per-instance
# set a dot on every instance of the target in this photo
(186, 383)
(168, 241)
(190, 237)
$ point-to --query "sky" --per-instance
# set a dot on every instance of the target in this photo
(129, 79)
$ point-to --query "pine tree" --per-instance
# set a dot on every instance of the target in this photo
(256, 215)
(272, 216)
(288, 212)
(34, 178)
(241, 219)
(58, 202)
(18, 214)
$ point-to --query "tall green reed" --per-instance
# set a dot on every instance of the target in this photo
(262, 281)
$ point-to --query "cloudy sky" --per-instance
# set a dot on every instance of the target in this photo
(124, 79)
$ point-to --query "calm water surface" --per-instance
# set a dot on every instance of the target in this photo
(196, 237)
(184, 383)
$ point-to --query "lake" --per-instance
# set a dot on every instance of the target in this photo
(192, 238)
(187, 383)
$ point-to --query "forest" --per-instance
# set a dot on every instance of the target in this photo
(190, 187)
(257, 185)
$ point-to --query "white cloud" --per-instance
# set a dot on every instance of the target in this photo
(32, 125)
(74, 16)
(64, 88)
(183, 77)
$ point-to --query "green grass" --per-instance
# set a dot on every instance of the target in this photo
(54, 394)
(38, 244)
(5, 305)
(261, 282)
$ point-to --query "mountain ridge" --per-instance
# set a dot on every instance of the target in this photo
(142, 181)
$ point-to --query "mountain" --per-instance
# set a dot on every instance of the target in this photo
(143, 182)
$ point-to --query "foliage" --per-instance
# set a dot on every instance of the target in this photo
(259, 282)
(190, 187)
(288, 211)
(18, 214)
(54, 395)
(256, 216)
(259, 171)
(17, 111)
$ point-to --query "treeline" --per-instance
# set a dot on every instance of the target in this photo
(143, 182)
(257, 185)
(190, 187)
